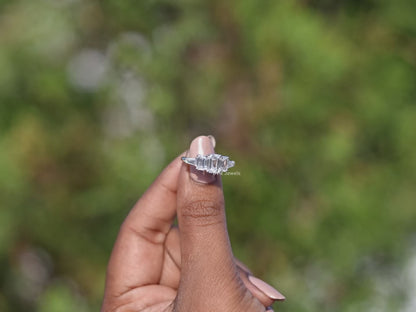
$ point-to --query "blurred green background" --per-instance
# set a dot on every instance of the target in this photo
(313, 99)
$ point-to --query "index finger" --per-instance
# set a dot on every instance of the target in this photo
(154, 212)
(137, 256)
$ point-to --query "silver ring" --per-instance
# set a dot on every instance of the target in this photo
(212, 163)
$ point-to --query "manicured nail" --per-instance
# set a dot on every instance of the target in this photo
(201, 145)
(213, 141)
(268, 290)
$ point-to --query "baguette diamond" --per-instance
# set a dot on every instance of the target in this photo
(212, 163)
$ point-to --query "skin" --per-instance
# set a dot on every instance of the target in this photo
(157, 267)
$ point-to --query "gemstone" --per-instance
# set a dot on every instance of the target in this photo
(213, 163)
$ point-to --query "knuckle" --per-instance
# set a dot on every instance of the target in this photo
(202, 212)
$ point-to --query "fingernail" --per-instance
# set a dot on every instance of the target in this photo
(268, 290)
(213, 141)
(201, 145)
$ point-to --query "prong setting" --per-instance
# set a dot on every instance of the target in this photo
(212, 163)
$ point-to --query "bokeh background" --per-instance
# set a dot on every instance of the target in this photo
(314, 99)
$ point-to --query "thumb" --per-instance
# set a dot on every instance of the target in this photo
(209, 276)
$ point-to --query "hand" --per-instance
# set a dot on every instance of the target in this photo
(157, 267)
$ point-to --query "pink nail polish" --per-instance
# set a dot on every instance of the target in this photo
(213, 141)
(201, 145)
(268, 290)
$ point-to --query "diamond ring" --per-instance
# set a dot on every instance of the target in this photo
(212, 163)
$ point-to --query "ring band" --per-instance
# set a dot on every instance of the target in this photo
(212, 163)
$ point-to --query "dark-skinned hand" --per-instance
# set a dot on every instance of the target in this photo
(156, 267)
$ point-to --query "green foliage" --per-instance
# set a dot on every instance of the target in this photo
(313, 99)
